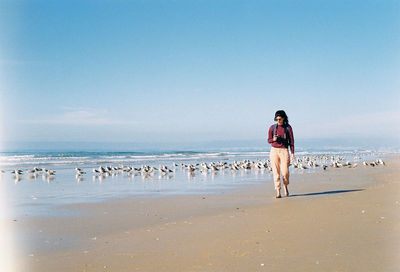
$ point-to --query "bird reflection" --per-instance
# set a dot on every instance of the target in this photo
(80, 179)
(147, 176)
(30, 177)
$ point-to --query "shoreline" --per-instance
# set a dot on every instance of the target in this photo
(53, 208)
(101, 229)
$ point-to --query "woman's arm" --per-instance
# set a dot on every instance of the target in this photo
(270, 135)
(291, 140)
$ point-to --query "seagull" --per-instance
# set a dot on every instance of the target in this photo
(192, 168)
(80, 173)
(373, 164)
(17, 172)
(301, 166)
(51, 172)
(127, 170)
(214, 168)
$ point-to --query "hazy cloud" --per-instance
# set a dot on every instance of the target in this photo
(367, 124)
(81, 116)
(15, 62)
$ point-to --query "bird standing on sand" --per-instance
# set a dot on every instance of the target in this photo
(51, 172)
(17, 172)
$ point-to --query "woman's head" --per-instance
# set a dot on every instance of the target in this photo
(281, 117)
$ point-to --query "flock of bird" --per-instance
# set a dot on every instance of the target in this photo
(36, 170)
(305, 162)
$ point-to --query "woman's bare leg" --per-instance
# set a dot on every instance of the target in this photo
(286, 190)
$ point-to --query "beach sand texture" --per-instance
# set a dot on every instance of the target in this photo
(339, 220)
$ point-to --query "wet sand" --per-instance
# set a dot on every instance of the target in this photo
(338, 220)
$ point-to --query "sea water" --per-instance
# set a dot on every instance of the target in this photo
(40, 194)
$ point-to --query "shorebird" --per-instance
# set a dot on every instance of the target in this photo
(127, 170)
(205, 166)
(214, 168)
(17, 172)
(346, 163)
(80, 172)
(303, 167)
(51, 172)
(192, 168)
(102, 169)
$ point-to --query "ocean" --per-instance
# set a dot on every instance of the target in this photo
(32, 194)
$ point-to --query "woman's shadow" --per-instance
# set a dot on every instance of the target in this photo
(328, 192)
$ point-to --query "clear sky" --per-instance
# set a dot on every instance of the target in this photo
(126, 71)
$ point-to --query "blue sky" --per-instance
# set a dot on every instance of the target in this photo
(129, 71)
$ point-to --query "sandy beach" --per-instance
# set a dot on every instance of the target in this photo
(339, 220)
(147, 136)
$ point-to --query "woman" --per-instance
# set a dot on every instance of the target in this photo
(280, 136)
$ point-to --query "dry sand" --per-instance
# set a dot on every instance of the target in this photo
(338, 220)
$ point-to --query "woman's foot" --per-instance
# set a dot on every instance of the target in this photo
(278, 194)
(286, 191)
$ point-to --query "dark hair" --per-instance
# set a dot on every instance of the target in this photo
(282, 114)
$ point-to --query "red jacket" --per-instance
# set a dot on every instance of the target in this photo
(280, 130)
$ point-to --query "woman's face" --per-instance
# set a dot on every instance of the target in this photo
(279, 120)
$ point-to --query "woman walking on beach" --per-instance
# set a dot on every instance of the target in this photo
(280, 136)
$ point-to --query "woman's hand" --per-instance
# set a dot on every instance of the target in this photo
(275, 138)
(293, 158)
